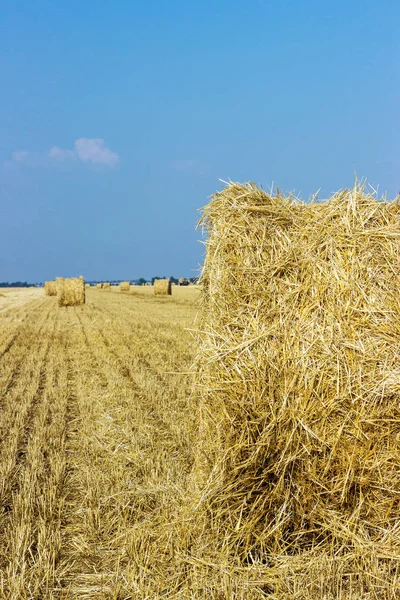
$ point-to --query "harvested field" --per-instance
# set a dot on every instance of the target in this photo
(15, 297)
(95, 445)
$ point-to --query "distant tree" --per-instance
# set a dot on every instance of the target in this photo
(141, 281)
(17, 284)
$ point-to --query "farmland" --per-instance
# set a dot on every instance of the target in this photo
(95, 441)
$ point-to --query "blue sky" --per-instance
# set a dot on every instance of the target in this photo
(118, 120)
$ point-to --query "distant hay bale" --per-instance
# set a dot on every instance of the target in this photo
(162, 287)
(50, 288)
(125, 286)
(87, 285)
(297, 469)
(70, 292)
(107, 286)
(99, 286)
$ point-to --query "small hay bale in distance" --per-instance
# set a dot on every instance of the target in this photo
(99, 286)
(162, 287)
(87, 285)
(125, 286)
(298, 385)
(70, 292)
(50, 288)
(107, 286)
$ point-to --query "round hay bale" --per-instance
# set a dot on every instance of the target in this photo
(298, 385)
(70, 292)
(162, 287)
(50, 288)
(125, 286)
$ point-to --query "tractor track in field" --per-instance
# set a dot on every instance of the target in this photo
(162, 381)
(144, 362)
(27, 417)
(82, 580)
(17, 334)
(94, 357)
(65, 586)
(123, 369)
(91, 454)
(16, 372)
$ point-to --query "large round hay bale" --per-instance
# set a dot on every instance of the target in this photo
(298, 460)
(70, 292)
(50, 288)
(162, 287)
(99, 286)
(125, 286)
(107, 286)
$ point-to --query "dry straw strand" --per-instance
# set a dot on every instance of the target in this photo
(70, 292)
(298, 461)
(162, 287)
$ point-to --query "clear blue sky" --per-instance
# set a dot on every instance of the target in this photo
(117, 120)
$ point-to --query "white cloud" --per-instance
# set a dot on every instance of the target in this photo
(21, 156)
(95, 151)
(61, 154)
(86, 150)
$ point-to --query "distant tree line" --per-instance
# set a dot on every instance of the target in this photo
(175, 280)
(140, 281)
(23, 284)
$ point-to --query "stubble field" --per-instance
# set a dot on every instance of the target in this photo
(96, 443)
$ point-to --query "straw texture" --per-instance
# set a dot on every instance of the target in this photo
(70, 292)
(162, 287)
(297, 469)
(50, 288)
